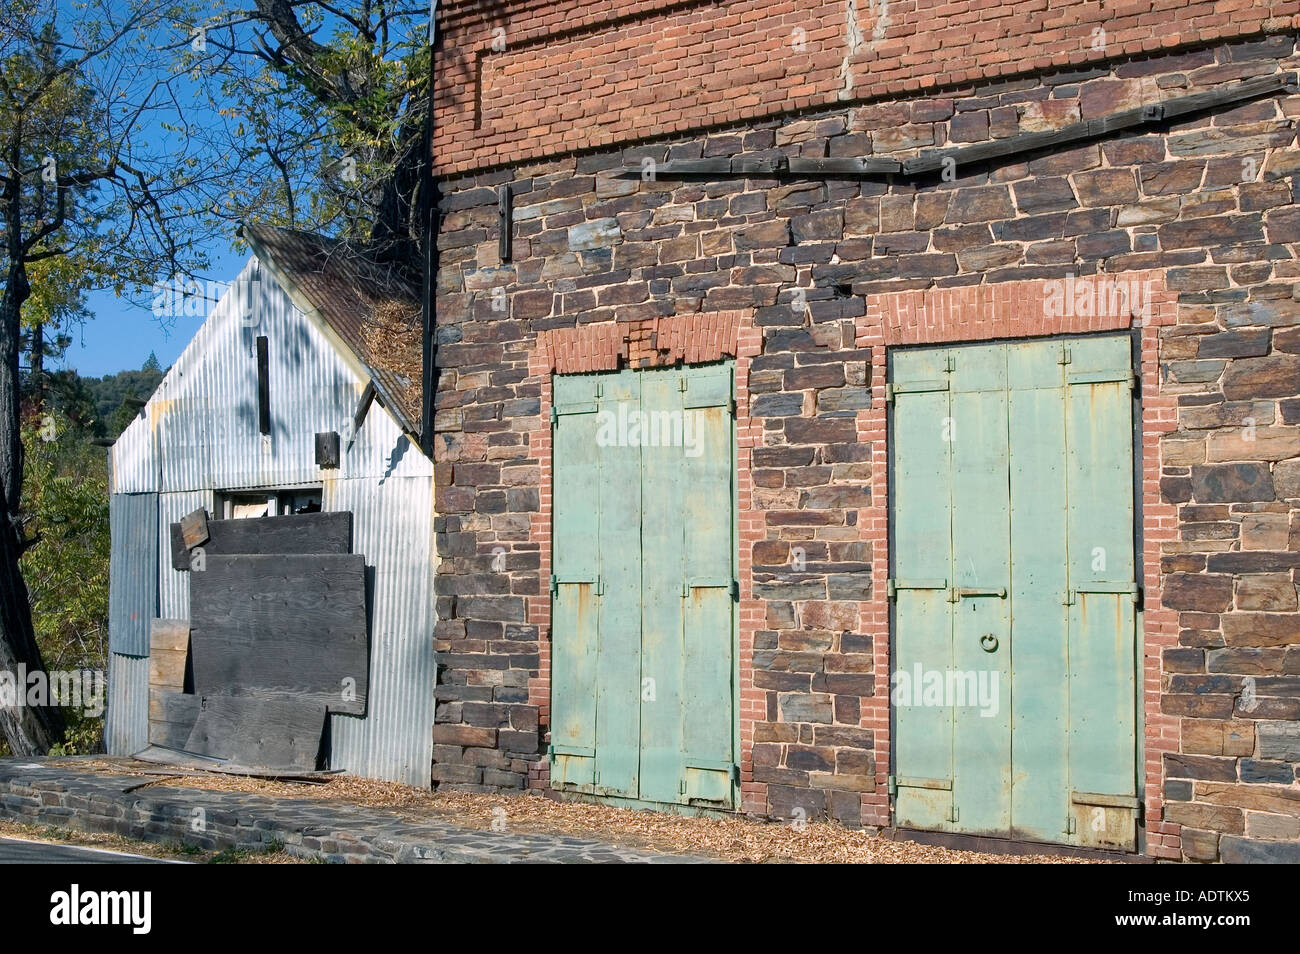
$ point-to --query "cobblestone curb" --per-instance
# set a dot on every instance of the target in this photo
(336, 832)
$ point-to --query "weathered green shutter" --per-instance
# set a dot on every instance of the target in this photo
(709, 587)
(618, 685)
(981, 561)
(1102, 592)
(1013, 504)
(666, 494)
(922, 570)
(642, 687)
(1039, 697)
(575, 620)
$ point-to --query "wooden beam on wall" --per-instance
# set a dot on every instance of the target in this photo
(263, 384)
(937, 160)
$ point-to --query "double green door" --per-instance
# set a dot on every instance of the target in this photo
(1013, 583)
(642, 589)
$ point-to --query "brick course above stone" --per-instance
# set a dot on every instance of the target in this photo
(525, 79)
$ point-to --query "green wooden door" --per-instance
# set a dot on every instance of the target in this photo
(1013, 587)
(643, 496)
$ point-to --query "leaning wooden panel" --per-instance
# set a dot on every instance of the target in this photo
(169, 644)
(294, 533)
(171, 717)
(289, 623)
(259, 733)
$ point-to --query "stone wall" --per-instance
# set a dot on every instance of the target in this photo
(1206, 203)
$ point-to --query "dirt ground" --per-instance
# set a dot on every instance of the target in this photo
(732, 838)
(172, 851)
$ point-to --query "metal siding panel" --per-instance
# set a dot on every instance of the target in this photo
(133, 459)
(174, 585)
(126, 716)
(392, 527)
(200, 429)
(132, 571)
(922, 531)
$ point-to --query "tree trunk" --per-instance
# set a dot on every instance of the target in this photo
(30, 730)
(38, 365)
(396, 224)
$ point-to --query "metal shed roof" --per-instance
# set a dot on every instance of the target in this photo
(342, 283)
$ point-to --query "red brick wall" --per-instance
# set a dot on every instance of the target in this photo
(522, 79)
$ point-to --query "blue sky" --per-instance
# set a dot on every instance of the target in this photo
(123, 332)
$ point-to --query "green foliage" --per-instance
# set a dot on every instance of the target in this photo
(109, 392)
(323, 129)
(66, 503)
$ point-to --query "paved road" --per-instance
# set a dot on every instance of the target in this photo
(16, 851)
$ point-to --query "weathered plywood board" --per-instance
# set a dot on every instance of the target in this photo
(295, 533)
(171, 713)
(169, 644)
(169, 634)
(194, 528)
(171, 717)
(289, 624)
(259, 733)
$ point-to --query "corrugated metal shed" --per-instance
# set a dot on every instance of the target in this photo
(132, 572)
(199, 431)
(198, 436)
(392, 523)
(126, 716)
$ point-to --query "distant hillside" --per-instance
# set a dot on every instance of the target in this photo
(99, 404)
(109, 392)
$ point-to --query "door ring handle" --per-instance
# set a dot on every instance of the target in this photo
(989, 643)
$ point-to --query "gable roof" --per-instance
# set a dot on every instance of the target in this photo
(371, 307)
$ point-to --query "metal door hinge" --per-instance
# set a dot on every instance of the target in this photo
(1070, 827)
(892, 586)
(1131, 590)
(555, 415)
(956, 814)
(889, 393)
(891, 784)
(732, 586)
(597, 586)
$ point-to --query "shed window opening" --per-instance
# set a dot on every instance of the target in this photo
(251, 504)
